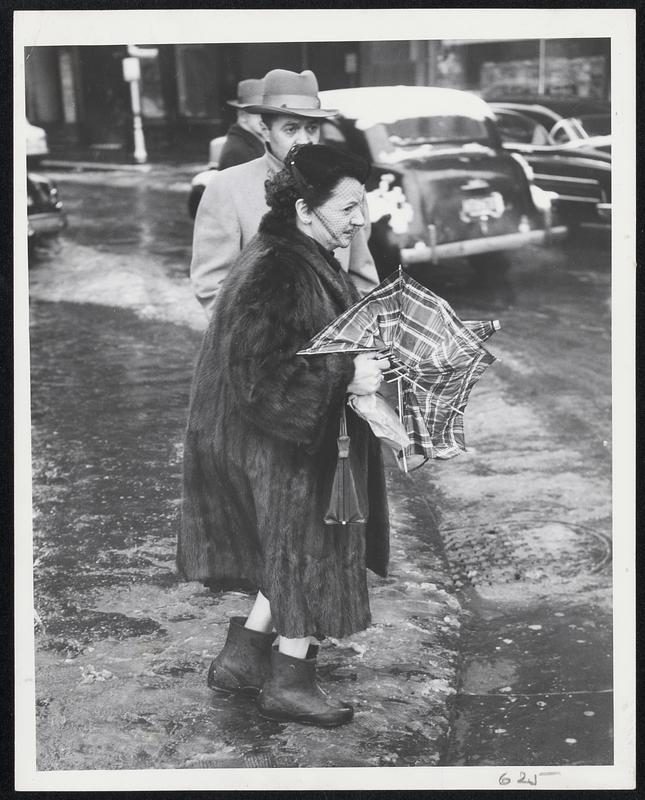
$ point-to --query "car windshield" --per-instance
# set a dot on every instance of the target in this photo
(415, 131)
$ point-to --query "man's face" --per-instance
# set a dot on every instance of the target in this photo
(285, 131)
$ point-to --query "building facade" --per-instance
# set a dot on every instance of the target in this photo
(79, 95)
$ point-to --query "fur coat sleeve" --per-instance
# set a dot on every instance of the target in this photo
(282, 302)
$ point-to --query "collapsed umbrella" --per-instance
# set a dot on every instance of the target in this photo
(435, 357)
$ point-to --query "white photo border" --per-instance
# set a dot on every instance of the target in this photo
(62, 27)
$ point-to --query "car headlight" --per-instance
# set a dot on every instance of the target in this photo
(526, 167)
(392, 203)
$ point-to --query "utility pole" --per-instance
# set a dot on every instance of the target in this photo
(132, 74)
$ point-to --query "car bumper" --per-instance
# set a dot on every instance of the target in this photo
(45, 223)
(471, 247)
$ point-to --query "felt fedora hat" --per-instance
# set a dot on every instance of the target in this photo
(248, 92)
(287, 92)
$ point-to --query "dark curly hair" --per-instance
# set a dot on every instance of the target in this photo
(311, 172)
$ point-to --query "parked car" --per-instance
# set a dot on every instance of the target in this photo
(442, 185)
(36, 145)
(567, 142)
(202, 179)
(44, 207)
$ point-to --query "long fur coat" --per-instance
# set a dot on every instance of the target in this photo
(261, 450)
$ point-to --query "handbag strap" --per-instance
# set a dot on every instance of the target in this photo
(343, 438)
(343, 421)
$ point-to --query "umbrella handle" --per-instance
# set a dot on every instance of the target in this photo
(399, 388)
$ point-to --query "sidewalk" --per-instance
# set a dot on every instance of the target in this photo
(106, 157)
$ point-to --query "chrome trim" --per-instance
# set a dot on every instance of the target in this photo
(526, 108)
(574, 198)
(547, 177)
(468, 247)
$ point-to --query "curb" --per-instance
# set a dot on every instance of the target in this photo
(95, 165)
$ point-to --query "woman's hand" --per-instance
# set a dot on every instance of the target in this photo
(367, 373)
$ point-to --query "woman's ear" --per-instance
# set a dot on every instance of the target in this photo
(303, 211)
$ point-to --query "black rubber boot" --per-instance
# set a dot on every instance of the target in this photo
(244, 663)
(292, 694)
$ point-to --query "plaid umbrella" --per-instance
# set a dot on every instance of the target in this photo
(435, 358)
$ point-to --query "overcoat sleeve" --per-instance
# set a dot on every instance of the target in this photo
(287, 396)
(217, 241)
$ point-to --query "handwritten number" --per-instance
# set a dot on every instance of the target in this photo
(531, 780)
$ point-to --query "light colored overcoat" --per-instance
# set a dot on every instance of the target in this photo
(228, 217)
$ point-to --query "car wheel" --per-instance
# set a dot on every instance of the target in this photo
(194, 197)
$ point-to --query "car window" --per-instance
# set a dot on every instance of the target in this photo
(595, 124)
(562, 132)
(519, 129)
(434, 130)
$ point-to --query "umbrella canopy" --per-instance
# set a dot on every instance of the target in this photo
(435, 357)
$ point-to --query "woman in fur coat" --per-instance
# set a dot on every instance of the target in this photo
(261, 445)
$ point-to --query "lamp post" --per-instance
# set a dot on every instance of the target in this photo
(132, 74)
(542, 67)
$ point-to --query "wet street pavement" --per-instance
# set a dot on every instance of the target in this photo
(491, 642)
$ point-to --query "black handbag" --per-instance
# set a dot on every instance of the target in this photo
(344, 506)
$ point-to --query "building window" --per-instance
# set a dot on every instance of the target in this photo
(152, 102)
(197, 81)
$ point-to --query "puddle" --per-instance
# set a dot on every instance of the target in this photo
(86, 625)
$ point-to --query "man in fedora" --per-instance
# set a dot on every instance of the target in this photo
(245, 137)
(233, 203)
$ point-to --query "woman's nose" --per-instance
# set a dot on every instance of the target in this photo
(358, 218)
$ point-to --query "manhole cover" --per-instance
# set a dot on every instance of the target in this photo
(523, 551)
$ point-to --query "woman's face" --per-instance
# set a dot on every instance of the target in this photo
(335, 222)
